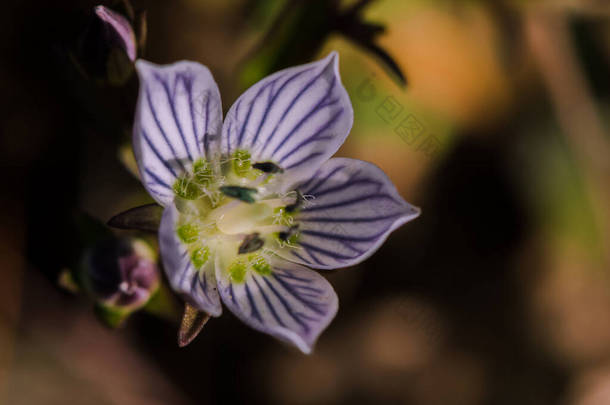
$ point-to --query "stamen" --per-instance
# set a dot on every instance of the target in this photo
(268, 167)
(297, 204)
(241, 193)
(285, 235)
(251, 243)
(276, 202)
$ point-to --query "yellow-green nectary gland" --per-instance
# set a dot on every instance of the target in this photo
(237, 271)
(188, 233)
(200, 256)
(242, 165)
(186, 188)
(261, 266)
(202, 172)
(240, 267)
(191, 186)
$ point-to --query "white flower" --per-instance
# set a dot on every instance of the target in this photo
(250, 202)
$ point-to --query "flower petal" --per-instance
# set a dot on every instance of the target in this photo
(292, 303)
(297, 118)
(178, 119)
(352, 207)
(198, 287)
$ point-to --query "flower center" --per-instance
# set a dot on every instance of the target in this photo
(231, 208)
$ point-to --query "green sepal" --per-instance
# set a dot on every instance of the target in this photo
(67, 281)
(162, 304)
(111, 316)
(143, 218)
(192, 323)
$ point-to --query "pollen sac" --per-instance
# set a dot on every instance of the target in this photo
(268, 167)
(251, 243)
(244, 194)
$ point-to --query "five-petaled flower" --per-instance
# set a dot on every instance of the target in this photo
(250, 202)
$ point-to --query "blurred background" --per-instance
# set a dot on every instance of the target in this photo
(492, 116)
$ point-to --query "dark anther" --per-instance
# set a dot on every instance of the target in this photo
(244, 194)
(268, 167)
(285, 235)
(297, 204)
(251, 243)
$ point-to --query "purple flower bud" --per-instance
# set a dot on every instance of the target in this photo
(118, 30)
(107, 48)
(122, 273)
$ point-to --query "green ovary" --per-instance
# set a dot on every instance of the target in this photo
(244, 218)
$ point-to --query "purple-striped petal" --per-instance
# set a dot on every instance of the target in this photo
(292, 303)
(178, 120)
(196, 286)
(351, 209)
(296, 118)
(121, 29)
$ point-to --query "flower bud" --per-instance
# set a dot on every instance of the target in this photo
(121, 275)
(118, 31)
(108, 48)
